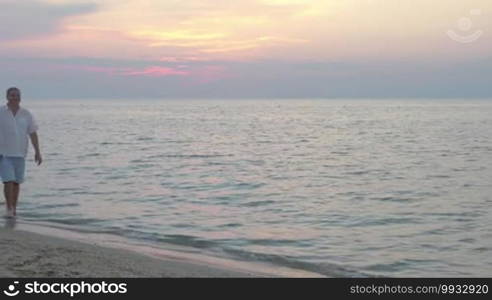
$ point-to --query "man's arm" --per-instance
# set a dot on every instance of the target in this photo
(35, 144)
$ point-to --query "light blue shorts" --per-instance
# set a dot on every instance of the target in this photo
(12, 168)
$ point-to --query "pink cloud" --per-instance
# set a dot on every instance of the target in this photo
(201, 74)
(155, 71)
(198, 74)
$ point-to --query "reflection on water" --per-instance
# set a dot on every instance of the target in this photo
(9, 223)
(389, 188)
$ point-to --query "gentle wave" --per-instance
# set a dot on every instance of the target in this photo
(383, 188)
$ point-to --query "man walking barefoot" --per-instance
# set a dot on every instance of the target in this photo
(16, 124)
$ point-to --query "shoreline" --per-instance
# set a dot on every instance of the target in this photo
(33, 250)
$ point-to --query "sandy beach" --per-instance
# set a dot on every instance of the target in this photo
(50, 252)
(27, 254)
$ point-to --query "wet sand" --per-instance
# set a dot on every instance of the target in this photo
(35, 250)
(27, 254)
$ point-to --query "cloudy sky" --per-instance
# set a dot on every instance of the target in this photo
(246, 48)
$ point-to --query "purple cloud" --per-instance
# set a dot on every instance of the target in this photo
(29, 18)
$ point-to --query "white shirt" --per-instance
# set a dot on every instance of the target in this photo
(15, 130)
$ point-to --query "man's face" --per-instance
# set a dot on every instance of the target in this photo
(14, 97)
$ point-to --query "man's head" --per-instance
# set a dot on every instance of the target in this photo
(13, 96)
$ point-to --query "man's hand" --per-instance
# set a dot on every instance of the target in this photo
(37, 158)
(35, 144)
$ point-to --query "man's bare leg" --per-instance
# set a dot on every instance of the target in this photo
(8, 191)
(15, 197)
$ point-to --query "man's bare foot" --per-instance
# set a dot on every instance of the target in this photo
(10, 213)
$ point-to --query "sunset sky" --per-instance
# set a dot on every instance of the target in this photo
(246, 48)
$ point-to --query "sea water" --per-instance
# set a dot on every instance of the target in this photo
(337, 187)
